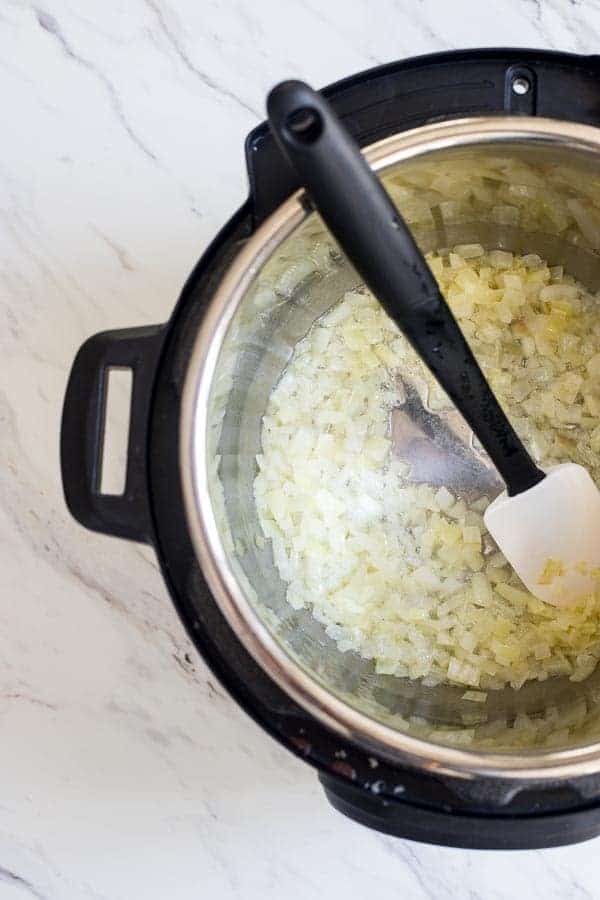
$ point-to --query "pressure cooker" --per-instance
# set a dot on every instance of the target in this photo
(200, 388)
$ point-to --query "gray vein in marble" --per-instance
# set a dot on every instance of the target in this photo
(205, 79)
(13, 498)
(575, 888)
(415, 865)
(540, 20)
(318, 12)
(582, 34)
(50, 24)
(213, 691)
(421, 21)
(537, 7)
(11, 878)
(120, 252)
(20, 224)
(26, 698)
(433, 880)
(78, 15)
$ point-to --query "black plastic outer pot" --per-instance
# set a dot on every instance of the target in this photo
(394, 799)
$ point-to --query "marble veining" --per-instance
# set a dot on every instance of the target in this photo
(127, 771)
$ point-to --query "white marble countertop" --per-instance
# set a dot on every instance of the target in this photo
(127, 772)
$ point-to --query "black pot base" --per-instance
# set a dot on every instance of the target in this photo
(468, 831)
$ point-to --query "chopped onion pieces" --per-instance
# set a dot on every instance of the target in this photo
(402, 573)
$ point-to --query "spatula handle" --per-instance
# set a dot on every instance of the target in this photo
(368, 227)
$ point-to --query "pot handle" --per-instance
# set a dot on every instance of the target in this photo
(127, 515)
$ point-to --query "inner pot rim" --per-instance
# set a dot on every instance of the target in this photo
(245, 621)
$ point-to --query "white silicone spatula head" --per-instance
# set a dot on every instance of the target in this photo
(550, 534)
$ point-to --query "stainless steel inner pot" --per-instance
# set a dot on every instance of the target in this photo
(287, 274)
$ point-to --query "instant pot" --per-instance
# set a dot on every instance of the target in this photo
(388, 750)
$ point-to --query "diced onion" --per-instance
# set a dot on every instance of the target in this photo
(402, 573)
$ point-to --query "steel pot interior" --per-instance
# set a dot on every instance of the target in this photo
(289, 273)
